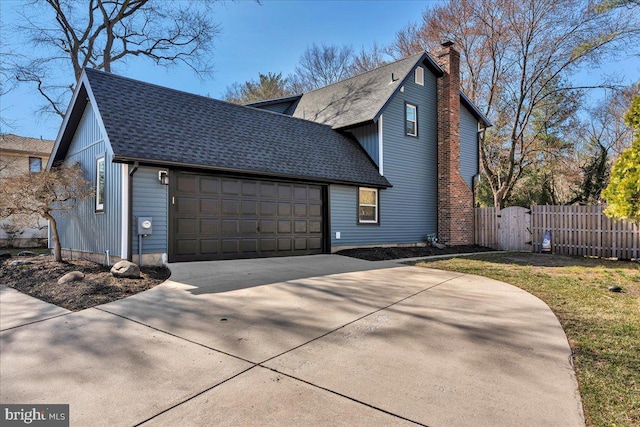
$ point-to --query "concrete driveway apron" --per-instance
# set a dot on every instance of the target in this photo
(321, 340)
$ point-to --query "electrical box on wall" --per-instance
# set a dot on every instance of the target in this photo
(145, 225)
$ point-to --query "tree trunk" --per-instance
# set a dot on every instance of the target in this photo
(57, 249)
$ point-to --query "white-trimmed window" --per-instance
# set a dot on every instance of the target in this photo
(411, 120)
(100, 184)
(35, 164)
(420, 76)
(368, 205)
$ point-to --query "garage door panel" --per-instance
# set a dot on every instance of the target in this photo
(187, 205)
(209, 185)
(268, 226)
(315, 194)
(300, 210)
(315, 227)
(315, 243)
(249, 208)
(230, 207)
(300, 227)
(218, 217)
(284, 227)
(315, 210)
(249, 226)
(249, 188)
(209, 246)
(230, 227)
(187, 247)
(249, 245)
(231, 186)
(209, 227)
(230, 246)
(187, 226)
(267, 209)
(284, 244)
(284, 209)
(284, 191)
(268, 245)
(186, 184)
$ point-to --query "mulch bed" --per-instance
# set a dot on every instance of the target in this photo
(383, 254)
(39, 278)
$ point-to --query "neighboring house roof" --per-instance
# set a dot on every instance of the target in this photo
(157, 125)
(358, 99)
(25, 145)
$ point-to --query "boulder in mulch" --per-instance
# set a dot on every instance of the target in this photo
(27, 253)
(125, 269)
(71, 277)
(19, 262)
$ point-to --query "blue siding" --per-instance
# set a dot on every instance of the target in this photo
(367, 136)
(150, 198)
(408, 211)
(82, 228)
(469, 162)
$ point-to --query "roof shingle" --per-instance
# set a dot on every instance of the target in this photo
(151, 123)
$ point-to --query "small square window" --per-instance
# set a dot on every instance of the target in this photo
(35, 164)
(368, 206)
(420, 76)
(411, 120)
(100, 183)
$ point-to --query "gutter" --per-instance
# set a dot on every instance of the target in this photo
(253, 173)
(130, 202)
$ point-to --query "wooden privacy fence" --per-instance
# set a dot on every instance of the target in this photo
(575, 230)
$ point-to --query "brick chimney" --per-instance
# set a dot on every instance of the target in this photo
(455, 198)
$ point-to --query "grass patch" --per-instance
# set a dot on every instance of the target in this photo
(603, 328)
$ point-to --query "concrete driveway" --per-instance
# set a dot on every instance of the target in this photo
(321, 340)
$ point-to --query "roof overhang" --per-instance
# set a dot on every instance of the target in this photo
(475, 111)
(255, 173)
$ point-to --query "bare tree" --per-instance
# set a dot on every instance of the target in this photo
(368, 59)
(321, 66)
(44, 195)
(512, 53)
(100, 33)
(267, 86)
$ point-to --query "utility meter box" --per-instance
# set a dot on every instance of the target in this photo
(145, 225)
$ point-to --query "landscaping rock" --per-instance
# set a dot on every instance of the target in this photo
(18, 262)
(5, 255)
(27, 253)
(126, 269)
(71, 277)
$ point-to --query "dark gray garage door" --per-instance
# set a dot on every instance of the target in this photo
(215, 217)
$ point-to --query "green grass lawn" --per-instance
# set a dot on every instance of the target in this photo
(603, 328)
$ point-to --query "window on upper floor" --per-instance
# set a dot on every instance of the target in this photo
(368, 206)
(411, 120)
(100, 184)
(35, 164)
(420, 76)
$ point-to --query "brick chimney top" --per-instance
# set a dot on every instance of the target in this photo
(448, 43)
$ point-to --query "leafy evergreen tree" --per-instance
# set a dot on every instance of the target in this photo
(623, 192)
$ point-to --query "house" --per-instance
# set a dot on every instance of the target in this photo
(384, 158)
(21, 155)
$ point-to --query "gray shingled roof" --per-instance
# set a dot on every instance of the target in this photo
(155, 124)
(15, 143)
(358, 99)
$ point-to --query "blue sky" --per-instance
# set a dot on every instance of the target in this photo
(255, 38)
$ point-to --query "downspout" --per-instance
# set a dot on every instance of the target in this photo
(130, 201)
